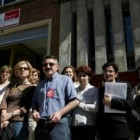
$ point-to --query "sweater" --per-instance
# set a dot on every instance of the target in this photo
(18, 98)
(85, 113)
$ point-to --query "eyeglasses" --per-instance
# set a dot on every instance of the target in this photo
(5, 72)
(46, 64)
(23, 68)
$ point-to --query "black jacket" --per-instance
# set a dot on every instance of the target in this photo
(114, 125)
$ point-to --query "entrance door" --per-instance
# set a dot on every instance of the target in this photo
(10, 55)
(5, 57)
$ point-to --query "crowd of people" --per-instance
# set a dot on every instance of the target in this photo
(64, 106)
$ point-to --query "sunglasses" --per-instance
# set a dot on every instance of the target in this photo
(23, 68)
(50, 64)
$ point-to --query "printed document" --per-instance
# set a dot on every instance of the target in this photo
(115, 90)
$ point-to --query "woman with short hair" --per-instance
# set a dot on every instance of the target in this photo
(84, 116)
(113, 126)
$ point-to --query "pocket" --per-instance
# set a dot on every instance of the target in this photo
(10, 130)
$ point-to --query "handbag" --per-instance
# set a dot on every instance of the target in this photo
(7, 133)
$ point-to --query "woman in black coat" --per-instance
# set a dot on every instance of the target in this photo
(113, 126)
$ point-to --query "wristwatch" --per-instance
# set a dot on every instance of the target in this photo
(13, 113)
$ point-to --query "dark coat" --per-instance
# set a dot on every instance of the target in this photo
(114, 125)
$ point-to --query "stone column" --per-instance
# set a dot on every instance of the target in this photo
(99, 33)
(118, 35)
(82, 33)
(65, 35)
(135, 20)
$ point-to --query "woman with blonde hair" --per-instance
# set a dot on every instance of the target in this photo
(35, 76)
(34, 79)
(71, 72)
(17, 101)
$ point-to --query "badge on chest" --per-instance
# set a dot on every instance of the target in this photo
(50, 93)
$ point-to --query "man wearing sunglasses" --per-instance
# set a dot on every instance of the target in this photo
(53, 100)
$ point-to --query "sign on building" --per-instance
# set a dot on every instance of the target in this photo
(9, 19)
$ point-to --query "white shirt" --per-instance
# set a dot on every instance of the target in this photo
(1, 87)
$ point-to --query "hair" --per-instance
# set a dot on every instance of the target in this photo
(85, 69)
(34, 70)
(108, 64)
(6, 67)
(49, 57)
(74, 78)
(19, 64)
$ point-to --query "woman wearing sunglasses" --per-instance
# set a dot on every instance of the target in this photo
(5, 74)
(17, 101)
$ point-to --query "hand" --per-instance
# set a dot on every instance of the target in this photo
(4, 124)
(55, 118)
(6, 116)
(107, 100)
(36, 116)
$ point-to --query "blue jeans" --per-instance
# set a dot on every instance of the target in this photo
(53, 131)
(21, 130)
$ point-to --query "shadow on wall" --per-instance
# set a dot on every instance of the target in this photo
(138, 62)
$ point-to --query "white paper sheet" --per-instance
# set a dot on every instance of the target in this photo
(115, 90)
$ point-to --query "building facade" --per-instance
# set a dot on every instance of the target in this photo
(29, 29)
(93, 32)
(77, 32)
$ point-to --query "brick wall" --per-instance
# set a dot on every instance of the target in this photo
(37, 10)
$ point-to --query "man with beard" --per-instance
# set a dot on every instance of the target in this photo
(54, 98)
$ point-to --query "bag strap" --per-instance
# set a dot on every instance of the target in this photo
(4, 89)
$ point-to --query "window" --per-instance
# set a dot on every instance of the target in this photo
(110, 47)
(74, 40)
(129, 41)
(4, 2)
(91, 43)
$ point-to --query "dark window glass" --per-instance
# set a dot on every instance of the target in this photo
(110, 47)
(128, 33)
(91, 48)
(74, 40)
(129, 41)
(8, 1)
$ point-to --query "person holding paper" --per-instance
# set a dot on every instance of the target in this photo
(135, 126)
(113, 125)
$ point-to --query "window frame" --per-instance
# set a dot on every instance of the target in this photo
(15, 1)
